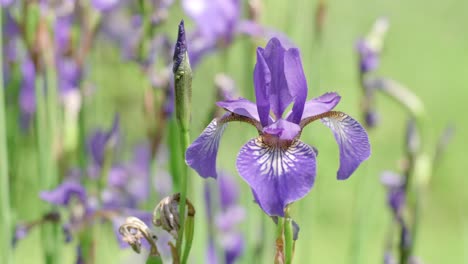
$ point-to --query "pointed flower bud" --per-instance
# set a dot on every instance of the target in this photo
(182, 79)
(413, 141)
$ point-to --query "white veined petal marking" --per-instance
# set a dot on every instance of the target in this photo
(213, 133)
(275, 161)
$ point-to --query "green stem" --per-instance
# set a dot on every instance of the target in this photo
(288, 238)
(5, 210)
(184, 143)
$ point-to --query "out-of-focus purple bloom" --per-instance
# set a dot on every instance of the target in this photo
(226, 220)
(215, 19)
(21, 231)
(368, 57)
(62, 34)
(105, 5)
(218, 22)
(389, 258)
(369, 48)
(279, 167)
(101, 140)
(233, 245)
(6, 3)
(64, 193)
(69, 74)
(27, 95)
(395, 189)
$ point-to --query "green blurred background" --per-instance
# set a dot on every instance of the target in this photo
(426, 49)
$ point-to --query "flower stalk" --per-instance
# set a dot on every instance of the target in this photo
(183, 92)
(288, 237)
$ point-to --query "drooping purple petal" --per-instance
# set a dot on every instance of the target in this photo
(319, 105)
(278, 176)
(64, 193)
(296, 82)
(241, 107)
(201, 154)
(262, 83)
(283, 130)
(352, 140)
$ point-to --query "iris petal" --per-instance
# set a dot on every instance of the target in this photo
(201, 154)
(296, 81)
(262, 82)
(319, 105)
(277, 176)
(241, 107)
(352, 140)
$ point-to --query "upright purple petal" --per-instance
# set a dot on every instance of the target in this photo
(278, 176)
(279, 94)
(352, 140)
(319, 105)
(201, 154)
(296, 82)
(241, 107)
(262, 83)
(64, 193)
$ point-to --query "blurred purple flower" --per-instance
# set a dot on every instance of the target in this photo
(368, 57)
(27, 94)
(105, 5)
(101, 140)
(279, 167)
(21, 231)
(216, 20)
(227, 218)
(6, 3)
(64, 193)
(395, 191)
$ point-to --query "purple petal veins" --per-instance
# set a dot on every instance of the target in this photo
(201, 154)
(278, 176)
(352, 140)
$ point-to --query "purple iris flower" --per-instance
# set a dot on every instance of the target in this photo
(279, 168)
